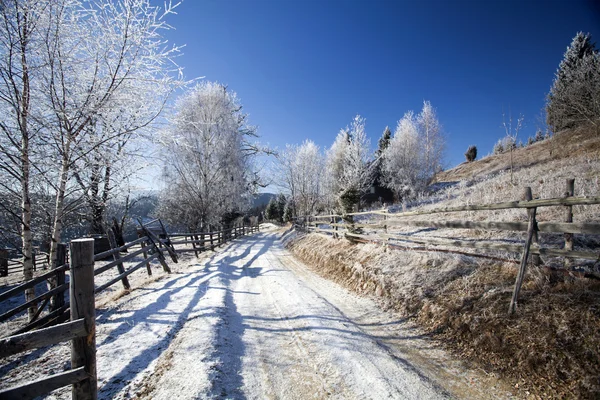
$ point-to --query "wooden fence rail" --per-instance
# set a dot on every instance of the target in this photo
(81, 307)
(530, 246)
(80, 331)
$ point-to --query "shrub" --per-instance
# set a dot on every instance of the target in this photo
(471, 153)
(498, 147)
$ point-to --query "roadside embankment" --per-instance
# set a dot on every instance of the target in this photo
(549, 349)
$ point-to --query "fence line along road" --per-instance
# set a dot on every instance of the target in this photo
(344, 225)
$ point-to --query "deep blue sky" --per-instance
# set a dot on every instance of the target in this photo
(303, 69)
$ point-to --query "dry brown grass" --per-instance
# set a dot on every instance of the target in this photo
(550, 349)
(572, 144)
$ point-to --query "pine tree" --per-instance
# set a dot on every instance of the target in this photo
(281, 201)
(384, 141)
(271, 211)
(383, 144)
(573, 98)
(288, 213)
(539, 136)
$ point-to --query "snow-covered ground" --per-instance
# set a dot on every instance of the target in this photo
(249, 321)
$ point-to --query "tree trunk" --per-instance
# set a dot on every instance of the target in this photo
(59, 205)
(25, 165)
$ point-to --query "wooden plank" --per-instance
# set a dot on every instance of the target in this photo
(125, 273)
(83, 349)
(3, 262)
(24, 306)
(126, 246)
(571, 201)
(43, 337)
(548, 227)
(117, 259)
(145, 253)
(189, 241)
(523, 267)
(31, 283)
(482, 245)
(128, 257)
(44, 385)
(570, 191)
(157, 240)
(46, 320)
(190, 250)
(58, 300)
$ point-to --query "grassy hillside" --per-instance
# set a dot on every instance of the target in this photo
(581, 144)
(550, 348)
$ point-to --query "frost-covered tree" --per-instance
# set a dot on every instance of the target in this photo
(334, 167)
(208, 171)
(573, 98)
(432, 140)
(100, 56)
(357, 173)
(403, 162)
(21, 37)
(281, 202)
(300, 174)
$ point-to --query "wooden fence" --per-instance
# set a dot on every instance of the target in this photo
(81, 329)
(13, 266)
(335, 225)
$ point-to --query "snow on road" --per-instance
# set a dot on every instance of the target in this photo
(250, 322)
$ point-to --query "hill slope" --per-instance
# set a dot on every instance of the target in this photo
(583, 143)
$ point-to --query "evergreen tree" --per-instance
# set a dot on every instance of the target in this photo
(281, 201)
(384, 141)
(288, 213)
(271, 212)
(383, 144)
(573, 98)
(539, 136)
(471, 153)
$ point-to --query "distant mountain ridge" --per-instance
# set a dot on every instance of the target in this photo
(262, 199)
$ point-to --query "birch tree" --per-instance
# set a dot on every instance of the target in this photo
(402, 161)
(334, 162)
(300, 174)
(433, 143)
(96, 53)
(356, 174)
(19, 67)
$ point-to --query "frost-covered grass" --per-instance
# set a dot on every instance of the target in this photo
(545, 350)
(549, 349)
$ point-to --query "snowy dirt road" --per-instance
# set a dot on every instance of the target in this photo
(251, 322)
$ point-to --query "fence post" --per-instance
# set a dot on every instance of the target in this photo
(212, 245)
(569, 218)
(194, 238)
(117, 257)
(531, 227)
(58, 300)
(83, 349)
(145, 253)
(3, 262)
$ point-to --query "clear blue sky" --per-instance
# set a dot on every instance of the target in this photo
(303, 69)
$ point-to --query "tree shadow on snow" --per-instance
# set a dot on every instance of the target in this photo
(141, 361)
